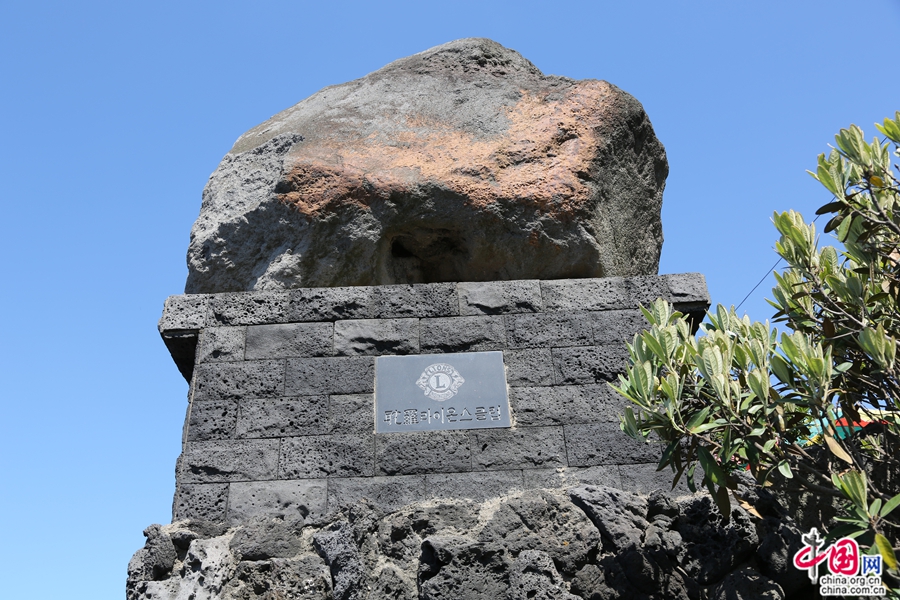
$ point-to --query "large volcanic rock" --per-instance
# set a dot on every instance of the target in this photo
(591, 543)
(461, 163)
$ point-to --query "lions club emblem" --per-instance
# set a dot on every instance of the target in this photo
(440, 381)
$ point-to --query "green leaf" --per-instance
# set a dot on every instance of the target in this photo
(784, 468)
(861, 513)
(662, 312)
(690, 478)
(698, 418)
(684, 332)
(836, 481)
(713, 362)
(831, 206)
(836, 449)
(679, 471)
(889, 506)
(886, 551)
(758, 381)
(891, 128)
(846, 530)
(728, 448)
(710, 467)
(828, 258)
(781, 369)
(629, 424)
(654, 345)
(875, 506)
(672, 386)
(853, 484)
(641, 376)
(666, 457)
(668, 339)
(874, 342)
(834, 223)
(708, 426)
(723, 501)
(857, 521)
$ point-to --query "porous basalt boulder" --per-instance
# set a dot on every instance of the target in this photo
(461, 163)
(590, 542)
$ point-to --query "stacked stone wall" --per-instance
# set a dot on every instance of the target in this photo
(281, 405)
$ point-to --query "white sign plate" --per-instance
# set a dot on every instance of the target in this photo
(428, 392)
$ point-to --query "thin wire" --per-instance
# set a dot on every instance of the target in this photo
(769, 272)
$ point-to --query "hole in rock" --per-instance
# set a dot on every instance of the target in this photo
(398, 250)
(428, 256)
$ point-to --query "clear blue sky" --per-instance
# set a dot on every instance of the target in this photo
(113, 115)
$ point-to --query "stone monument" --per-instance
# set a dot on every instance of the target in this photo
(406, 297)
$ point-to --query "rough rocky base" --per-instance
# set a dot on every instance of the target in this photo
(594, 543)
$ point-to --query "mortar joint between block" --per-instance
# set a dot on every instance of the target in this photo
(543, 302)
(227, 500)
(278, 465)
(419, 333)
(333, 335)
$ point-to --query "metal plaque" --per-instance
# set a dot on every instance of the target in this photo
(429, 392)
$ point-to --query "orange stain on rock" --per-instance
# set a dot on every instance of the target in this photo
(537, 161)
